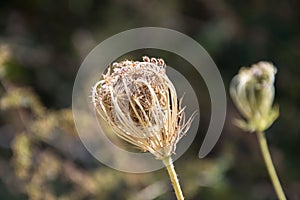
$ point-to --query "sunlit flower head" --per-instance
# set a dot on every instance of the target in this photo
(140, 103)
(252, 91)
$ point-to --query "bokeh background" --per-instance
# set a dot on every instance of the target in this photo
(43, 43)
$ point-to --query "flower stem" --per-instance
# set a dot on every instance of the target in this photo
(173, 176)
(270, 166)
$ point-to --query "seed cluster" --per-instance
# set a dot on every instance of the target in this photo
(140, 103)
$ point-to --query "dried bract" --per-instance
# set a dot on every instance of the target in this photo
(140, 103)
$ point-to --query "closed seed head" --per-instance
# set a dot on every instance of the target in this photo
(252, 91)
(140, 103)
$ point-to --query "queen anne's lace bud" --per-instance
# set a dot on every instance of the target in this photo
(252, 91)
(140, 103)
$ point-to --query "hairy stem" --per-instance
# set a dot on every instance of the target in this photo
(173, 176)
(270, 166)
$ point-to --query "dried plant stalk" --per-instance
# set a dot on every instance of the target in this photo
(140, 103)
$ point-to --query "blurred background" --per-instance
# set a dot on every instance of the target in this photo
(42, 44)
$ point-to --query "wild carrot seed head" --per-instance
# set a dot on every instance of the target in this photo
(140, 103)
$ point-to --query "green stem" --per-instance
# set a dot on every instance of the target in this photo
(270, 166)
(173, 176)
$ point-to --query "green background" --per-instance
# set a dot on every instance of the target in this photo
(41, 156)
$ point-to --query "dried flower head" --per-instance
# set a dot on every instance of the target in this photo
(252, 91)
(140, 103)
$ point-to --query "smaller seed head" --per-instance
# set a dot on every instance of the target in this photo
(252, 91)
